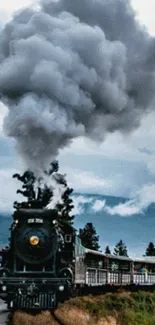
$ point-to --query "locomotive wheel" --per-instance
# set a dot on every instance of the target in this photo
(66, 273)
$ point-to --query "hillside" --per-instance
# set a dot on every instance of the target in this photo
(122, 308)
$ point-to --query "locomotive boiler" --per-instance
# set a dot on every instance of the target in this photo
(36, 268)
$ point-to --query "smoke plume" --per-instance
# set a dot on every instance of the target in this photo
(74, 68)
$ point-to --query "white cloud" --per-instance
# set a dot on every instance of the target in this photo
(126, 209)
(8, 188)
(3, 113)
(79, 202)
(127, 147)
(145, 11)
(137, 204)
(11, 6)
(83, 181)
(4, 17)
(98, 205)
(145, 196)
(114, 155)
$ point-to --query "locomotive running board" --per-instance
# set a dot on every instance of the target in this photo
(14, 280)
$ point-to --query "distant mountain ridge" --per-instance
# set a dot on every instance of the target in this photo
(136, 230)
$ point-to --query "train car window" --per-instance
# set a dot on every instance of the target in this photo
(138, 266)
(100, 264)
(124, 266)
(114, 266)
(68, 238)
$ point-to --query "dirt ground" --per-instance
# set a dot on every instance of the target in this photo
(44, 318)
(64, 315)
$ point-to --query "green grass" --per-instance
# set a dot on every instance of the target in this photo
(136, 308)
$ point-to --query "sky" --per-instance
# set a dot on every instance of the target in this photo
(120, 166)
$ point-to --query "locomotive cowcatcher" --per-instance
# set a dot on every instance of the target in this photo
(37, 267)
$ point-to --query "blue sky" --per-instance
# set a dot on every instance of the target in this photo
(120, 166)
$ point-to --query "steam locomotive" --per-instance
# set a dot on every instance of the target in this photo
(46, 263)
(37, 268)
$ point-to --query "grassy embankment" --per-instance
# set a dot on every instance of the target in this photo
(122, 308)
(136, 308)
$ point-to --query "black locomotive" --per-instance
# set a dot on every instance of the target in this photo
(37, 268)
(45, 263)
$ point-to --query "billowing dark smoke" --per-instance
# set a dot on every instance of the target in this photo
(82, 67)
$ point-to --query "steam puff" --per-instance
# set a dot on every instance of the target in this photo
(74, 69)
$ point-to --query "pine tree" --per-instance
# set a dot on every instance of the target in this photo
(66, 206)
(107, 250)
(39, 195)
(89, 237)
(150, 250)
(120, 249)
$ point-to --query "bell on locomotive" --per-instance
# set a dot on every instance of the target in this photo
(32, 267)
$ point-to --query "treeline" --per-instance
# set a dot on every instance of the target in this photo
(38, 193)
(121, 249)
(90, 239)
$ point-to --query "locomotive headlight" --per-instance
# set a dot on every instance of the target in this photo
(34, 240)
(4, 288)
(61, 288)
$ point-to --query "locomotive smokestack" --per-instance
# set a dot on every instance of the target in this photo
(74, 68)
